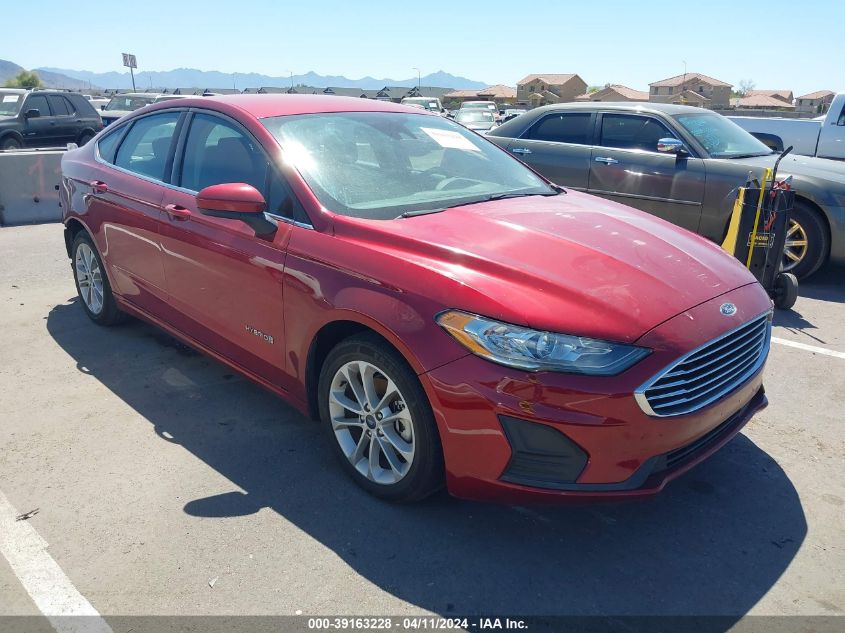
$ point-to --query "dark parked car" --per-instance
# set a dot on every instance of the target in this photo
(45, 118)
(617, 151)
(450, 316)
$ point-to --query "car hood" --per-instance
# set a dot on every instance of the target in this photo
(808, 166)
(571, 263)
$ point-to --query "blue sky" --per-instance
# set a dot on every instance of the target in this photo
(796, 46)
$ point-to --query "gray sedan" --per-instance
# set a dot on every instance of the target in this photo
(680, 163)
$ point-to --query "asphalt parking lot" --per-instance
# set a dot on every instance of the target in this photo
(164, 484)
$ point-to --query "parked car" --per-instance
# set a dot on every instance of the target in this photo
(617, 150)
(823, 136)
(476, 119)
(98, 103)
(511, 113)
(482, 105)
(45, 118)
(447, 314)
(122, 104)
(432, 105)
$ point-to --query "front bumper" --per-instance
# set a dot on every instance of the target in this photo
(616, 450)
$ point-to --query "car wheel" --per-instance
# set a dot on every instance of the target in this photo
(92, 284)
(10, 143)
(86, 136)
(380, 420)
(807, 242)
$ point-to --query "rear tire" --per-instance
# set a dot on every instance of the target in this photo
(807, 241)
(380, 420)
(84, 138)
(92, 283)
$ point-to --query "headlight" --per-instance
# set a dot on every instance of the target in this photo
(534, 350)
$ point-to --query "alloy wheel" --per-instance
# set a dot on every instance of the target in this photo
(372, 422)
(796, 246)
(89, 277)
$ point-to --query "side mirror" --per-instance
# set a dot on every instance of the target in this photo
(32, 113)
(670, 146)
(236, 201)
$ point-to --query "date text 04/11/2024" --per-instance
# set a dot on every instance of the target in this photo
(424, 623)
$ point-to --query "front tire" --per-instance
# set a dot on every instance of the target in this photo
(380, 420)
(807, 241)
(92, 284)
(10, 143)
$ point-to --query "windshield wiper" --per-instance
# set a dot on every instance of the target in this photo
(498, 196)
(749, 155)
(410, 214)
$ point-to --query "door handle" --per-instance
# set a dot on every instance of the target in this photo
(521, 150)
(177, 212)
(99, 186)
(606, 160)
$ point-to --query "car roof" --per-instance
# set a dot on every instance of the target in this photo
(627, 106)
(262, 106)
(16, 91)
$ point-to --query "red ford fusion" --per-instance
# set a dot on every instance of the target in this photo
(448, 315)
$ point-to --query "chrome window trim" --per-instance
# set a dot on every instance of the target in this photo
(639, 392)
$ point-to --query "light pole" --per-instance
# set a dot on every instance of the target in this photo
(418, 77)
(290, 72)
(234, 85)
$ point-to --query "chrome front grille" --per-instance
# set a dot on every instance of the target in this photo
(707, 374)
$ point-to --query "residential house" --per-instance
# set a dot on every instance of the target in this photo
(501, 94)
(782, 95)
(614, 92)
(761, 102)
(814, 102)
(539, 89)
(691, 89)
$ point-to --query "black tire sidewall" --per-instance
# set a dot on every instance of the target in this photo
(110, 314)
(818, 243)
(426, 473)
(10, 142)
(85, 138)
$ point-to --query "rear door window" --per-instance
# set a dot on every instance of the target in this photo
(569, 127)
(59, 105)
(146, 147)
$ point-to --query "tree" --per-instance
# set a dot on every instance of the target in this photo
(745, 86)
(25, 79)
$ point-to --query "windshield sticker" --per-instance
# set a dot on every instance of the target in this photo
(450, 139)
(10, 98)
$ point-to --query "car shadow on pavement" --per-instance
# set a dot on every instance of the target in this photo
(714, 542)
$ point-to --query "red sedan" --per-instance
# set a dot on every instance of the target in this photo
(448, 315)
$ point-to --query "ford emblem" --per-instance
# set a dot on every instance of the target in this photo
(728, 309)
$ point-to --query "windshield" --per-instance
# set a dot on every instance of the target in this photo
(474, 116)
(721, 137)
(379, 165)
(478, 105)
(128, 103)
(10, 103)
(428, 104)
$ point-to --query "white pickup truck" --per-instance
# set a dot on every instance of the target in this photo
(823, 137)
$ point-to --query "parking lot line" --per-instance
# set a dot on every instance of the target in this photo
(808, 348)
(42, 578)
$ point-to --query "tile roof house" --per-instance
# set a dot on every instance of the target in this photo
(614, 92)
(783, 95)
(762, 102)
(711, 93)
(499, 93)
(814, 102)
(541, 89)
